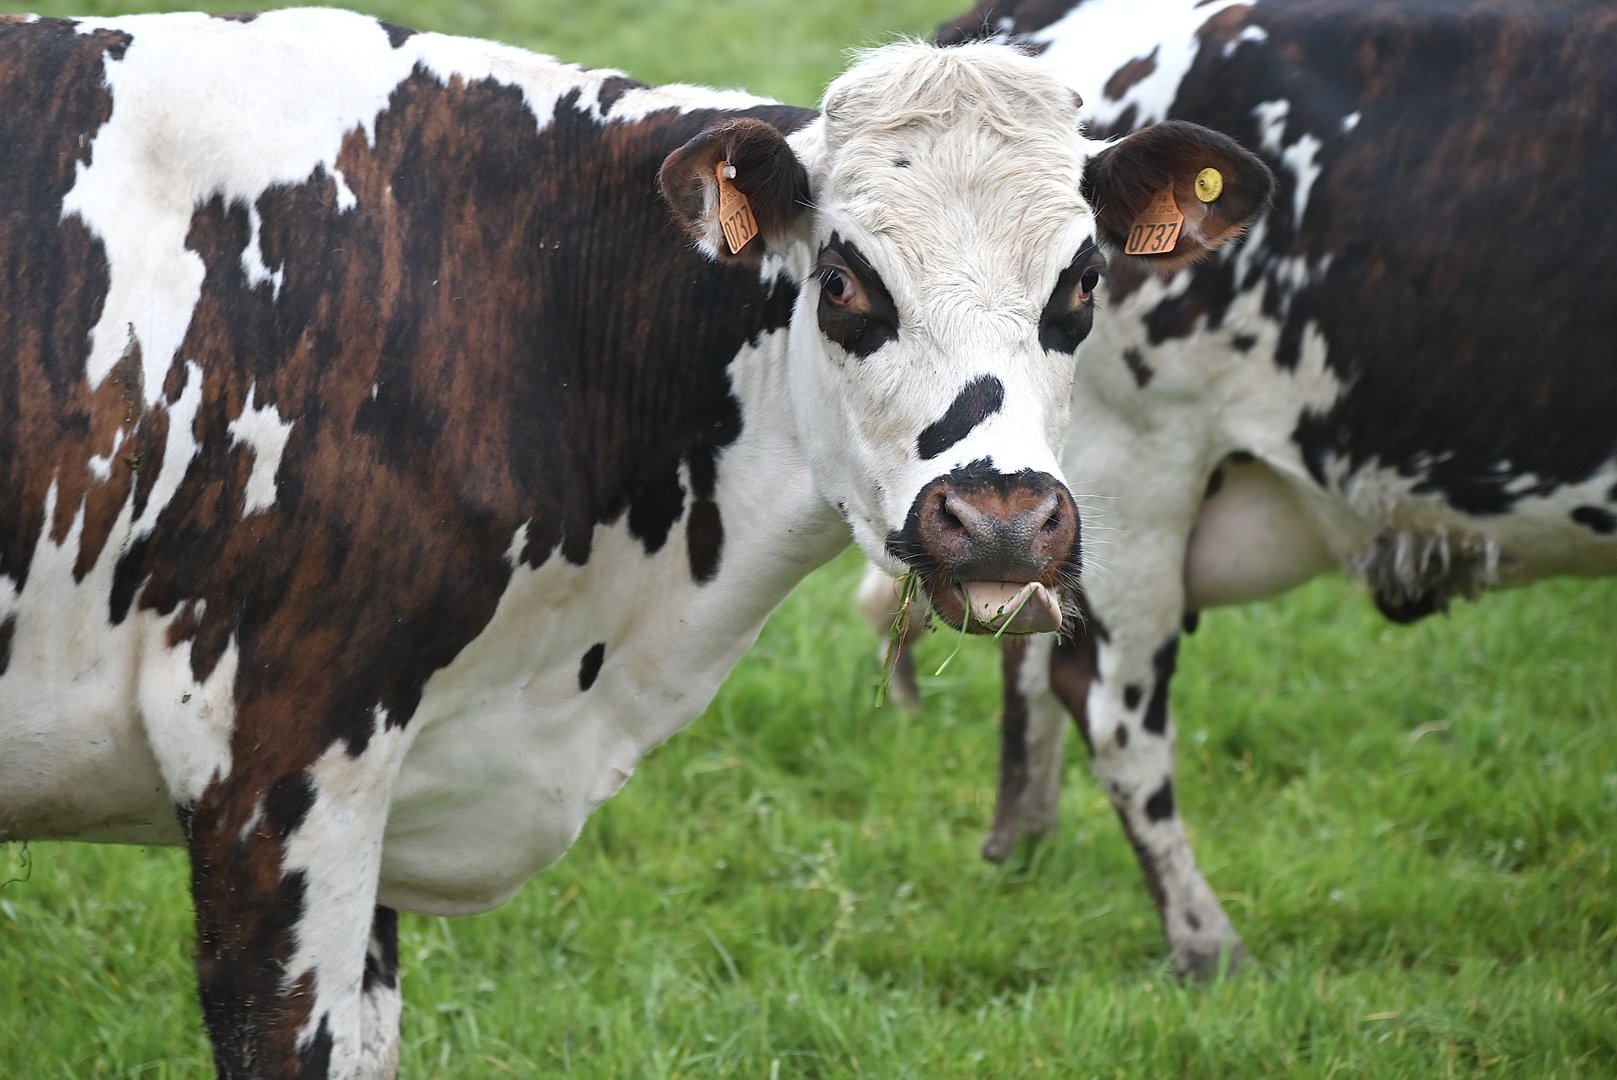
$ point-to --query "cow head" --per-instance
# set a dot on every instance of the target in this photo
(940, 218)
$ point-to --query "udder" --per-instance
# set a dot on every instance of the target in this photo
(1252, 539)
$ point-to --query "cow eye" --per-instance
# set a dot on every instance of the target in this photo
(1070, 312)
(837, 286)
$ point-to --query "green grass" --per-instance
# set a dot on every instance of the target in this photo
(1412, 827)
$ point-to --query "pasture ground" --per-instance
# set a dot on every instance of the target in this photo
(1413, 827)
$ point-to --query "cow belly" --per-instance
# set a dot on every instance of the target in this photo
(77, 774)
(480, 809)
(1252, 539)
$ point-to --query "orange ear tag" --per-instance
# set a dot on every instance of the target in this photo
(735, 212)
(1156, 230)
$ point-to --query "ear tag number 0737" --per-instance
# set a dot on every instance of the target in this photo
(1156, 230)
(735, 212)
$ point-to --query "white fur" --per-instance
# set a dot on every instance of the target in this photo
(338, 848)
(1099, 36)
(262, 431)
(969, 239)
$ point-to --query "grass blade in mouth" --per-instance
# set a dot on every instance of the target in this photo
(909, 587)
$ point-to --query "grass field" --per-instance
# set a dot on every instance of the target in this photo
(1412, 827)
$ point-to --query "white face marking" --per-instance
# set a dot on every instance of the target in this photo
(1090, 43)
(263, 432)
(968, 237)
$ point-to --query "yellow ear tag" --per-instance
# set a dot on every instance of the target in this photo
(1156, 230)
(735, 212)
(1209, 184)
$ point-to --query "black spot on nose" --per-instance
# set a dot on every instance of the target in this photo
(981, 398)
(590, 667)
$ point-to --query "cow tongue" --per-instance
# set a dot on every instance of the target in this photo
(1014, 607)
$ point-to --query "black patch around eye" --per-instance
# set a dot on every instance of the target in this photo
(1064, 323)
(981, 398)
(859, 332)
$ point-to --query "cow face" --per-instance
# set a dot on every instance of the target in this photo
(938, 218)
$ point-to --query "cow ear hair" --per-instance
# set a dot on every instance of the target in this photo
(1121, 181)
(767, 172)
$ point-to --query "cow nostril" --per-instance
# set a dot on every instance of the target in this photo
(950, 517)
(1053, 523)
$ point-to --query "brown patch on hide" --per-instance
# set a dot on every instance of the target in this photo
(53, 282)
(1131, 74)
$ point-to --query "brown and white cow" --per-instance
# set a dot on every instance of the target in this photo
(400, 434)
(1407, 371)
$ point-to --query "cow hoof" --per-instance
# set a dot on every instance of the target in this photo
(1005, 838)
(1207, 964)
(999, 845)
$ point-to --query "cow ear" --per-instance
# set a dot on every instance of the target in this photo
(1216, 185)
(759, 167)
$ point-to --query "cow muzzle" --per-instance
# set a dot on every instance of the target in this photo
(996, 552)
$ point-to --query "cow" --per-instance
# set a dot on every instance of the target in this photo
(1353, 388)
(401, 434)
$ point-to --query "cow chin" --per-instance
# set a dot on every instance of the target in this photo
(997, 607)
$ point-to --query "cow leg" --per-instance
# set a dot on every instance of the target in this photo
(1033, 729)
(1120, 699)
(296, 965)
(381, 1004)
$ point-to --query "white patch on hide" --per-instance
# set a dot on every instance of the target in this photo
(1093, 40)
(263, 432)
(1254, 34)
(179, 448)
(101, 467)
(188, 723)
(252, 258)
(167, 149)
